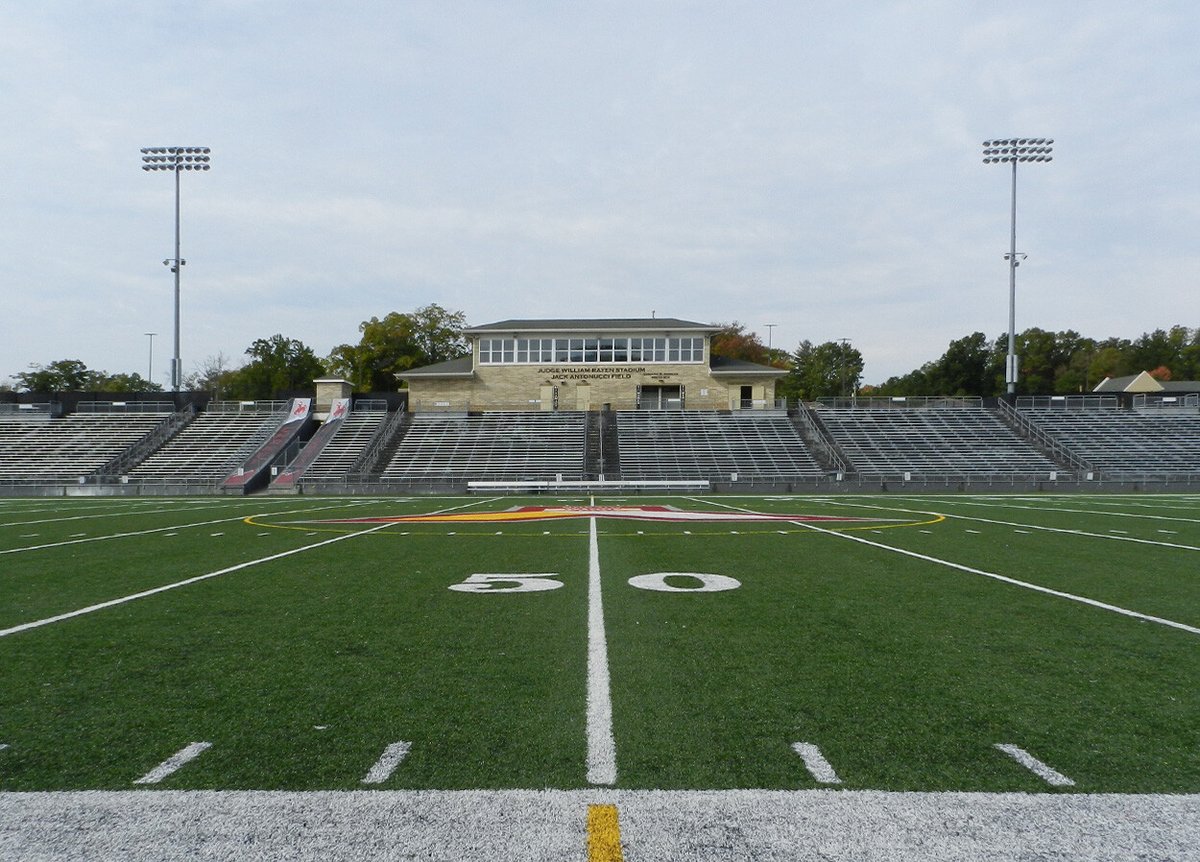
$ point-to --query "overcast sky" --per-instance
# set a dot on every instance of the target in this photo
(813, 165)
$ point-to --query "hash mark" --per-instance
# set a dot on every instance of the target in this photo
(815, 762)
(174, 762)
(1041, 770)
(392, 756)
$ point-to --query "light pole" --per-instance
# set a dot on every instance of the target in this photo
(175, 159)
(150, 364)
(1013, 150)
(770, 334)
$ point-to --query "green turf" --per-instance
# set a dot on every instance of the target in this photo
(301, 670)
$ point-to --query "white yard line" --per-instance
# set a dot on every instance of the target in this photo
(1041, 770)
(601, 747)
(816, 764)
(1084, 533)
(1007, 505)
(993, 575)
(391, 758)
(144, 593)
(174, 763)
(165, 530)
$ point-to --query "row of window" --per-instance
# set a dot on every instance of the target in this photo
(496, 351)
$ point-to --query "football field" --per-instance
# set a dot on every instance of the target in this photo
(701, 677)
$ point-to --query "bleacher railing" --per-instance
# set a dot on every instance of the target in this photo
(140, 449)
(246, 406)
(26, 409)
(124, 407)
(1166, 402)
(1024, 425)
(900, 402)
(375, 445)
(1067, 402)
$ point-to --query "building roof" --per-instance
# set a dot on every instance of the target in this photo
(1143, 382)
(741, 367)
(460, 367)
(606, 326)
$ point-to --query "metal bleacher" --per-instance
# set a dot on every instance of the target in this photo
(37, 447)
(342, 452)
(699, 444)
(1123, 443)
(213, 445)
(501, 445)
(932, 441)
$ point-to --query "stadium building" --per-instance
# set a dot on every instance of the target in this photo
(625, 364)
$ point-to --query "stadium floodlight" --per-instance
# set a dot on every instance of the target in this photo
(1011, 151)
(176, 160)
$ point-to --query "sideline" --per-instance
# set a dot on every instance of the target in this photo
(519, 825)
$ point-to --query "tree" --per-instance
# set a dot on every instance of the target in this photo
(65, 375)
(832, 368)
(213, 375)
(277, 365)
(124, 383)
(968, 367)
(397, 342)
(734, 342)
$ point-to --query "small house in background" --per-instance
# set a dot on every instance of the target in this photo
(1142, 390)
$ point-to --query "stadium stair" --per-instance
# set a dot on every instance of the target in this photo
(254, 471)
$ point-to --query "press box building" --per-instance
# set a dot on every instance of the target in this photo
(625, 364)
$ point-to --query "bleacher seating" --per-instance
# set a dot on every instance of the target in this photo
(1119, 442)
(211, 447)
(500, 445)
(43, 448)
(356, 431)
(931, 441)
(696, 444)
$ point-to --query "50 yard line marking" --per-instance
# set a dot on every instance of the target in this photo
(601, 747)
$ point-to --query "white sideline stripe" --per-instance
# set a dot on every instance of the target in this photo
(1003, 578)
(815, 762)
(173, 763)
(1041, 770)
(144, 593)
(392, 756)
(601, 747)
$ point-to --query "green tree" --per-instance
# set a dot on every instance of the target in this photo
(968, 367)
(832, 368)
(277, 365)
(124, 383)
(397, 342)
(65, 375)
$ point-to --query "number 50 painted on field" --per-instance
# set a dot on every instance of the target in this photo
(494, 582)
